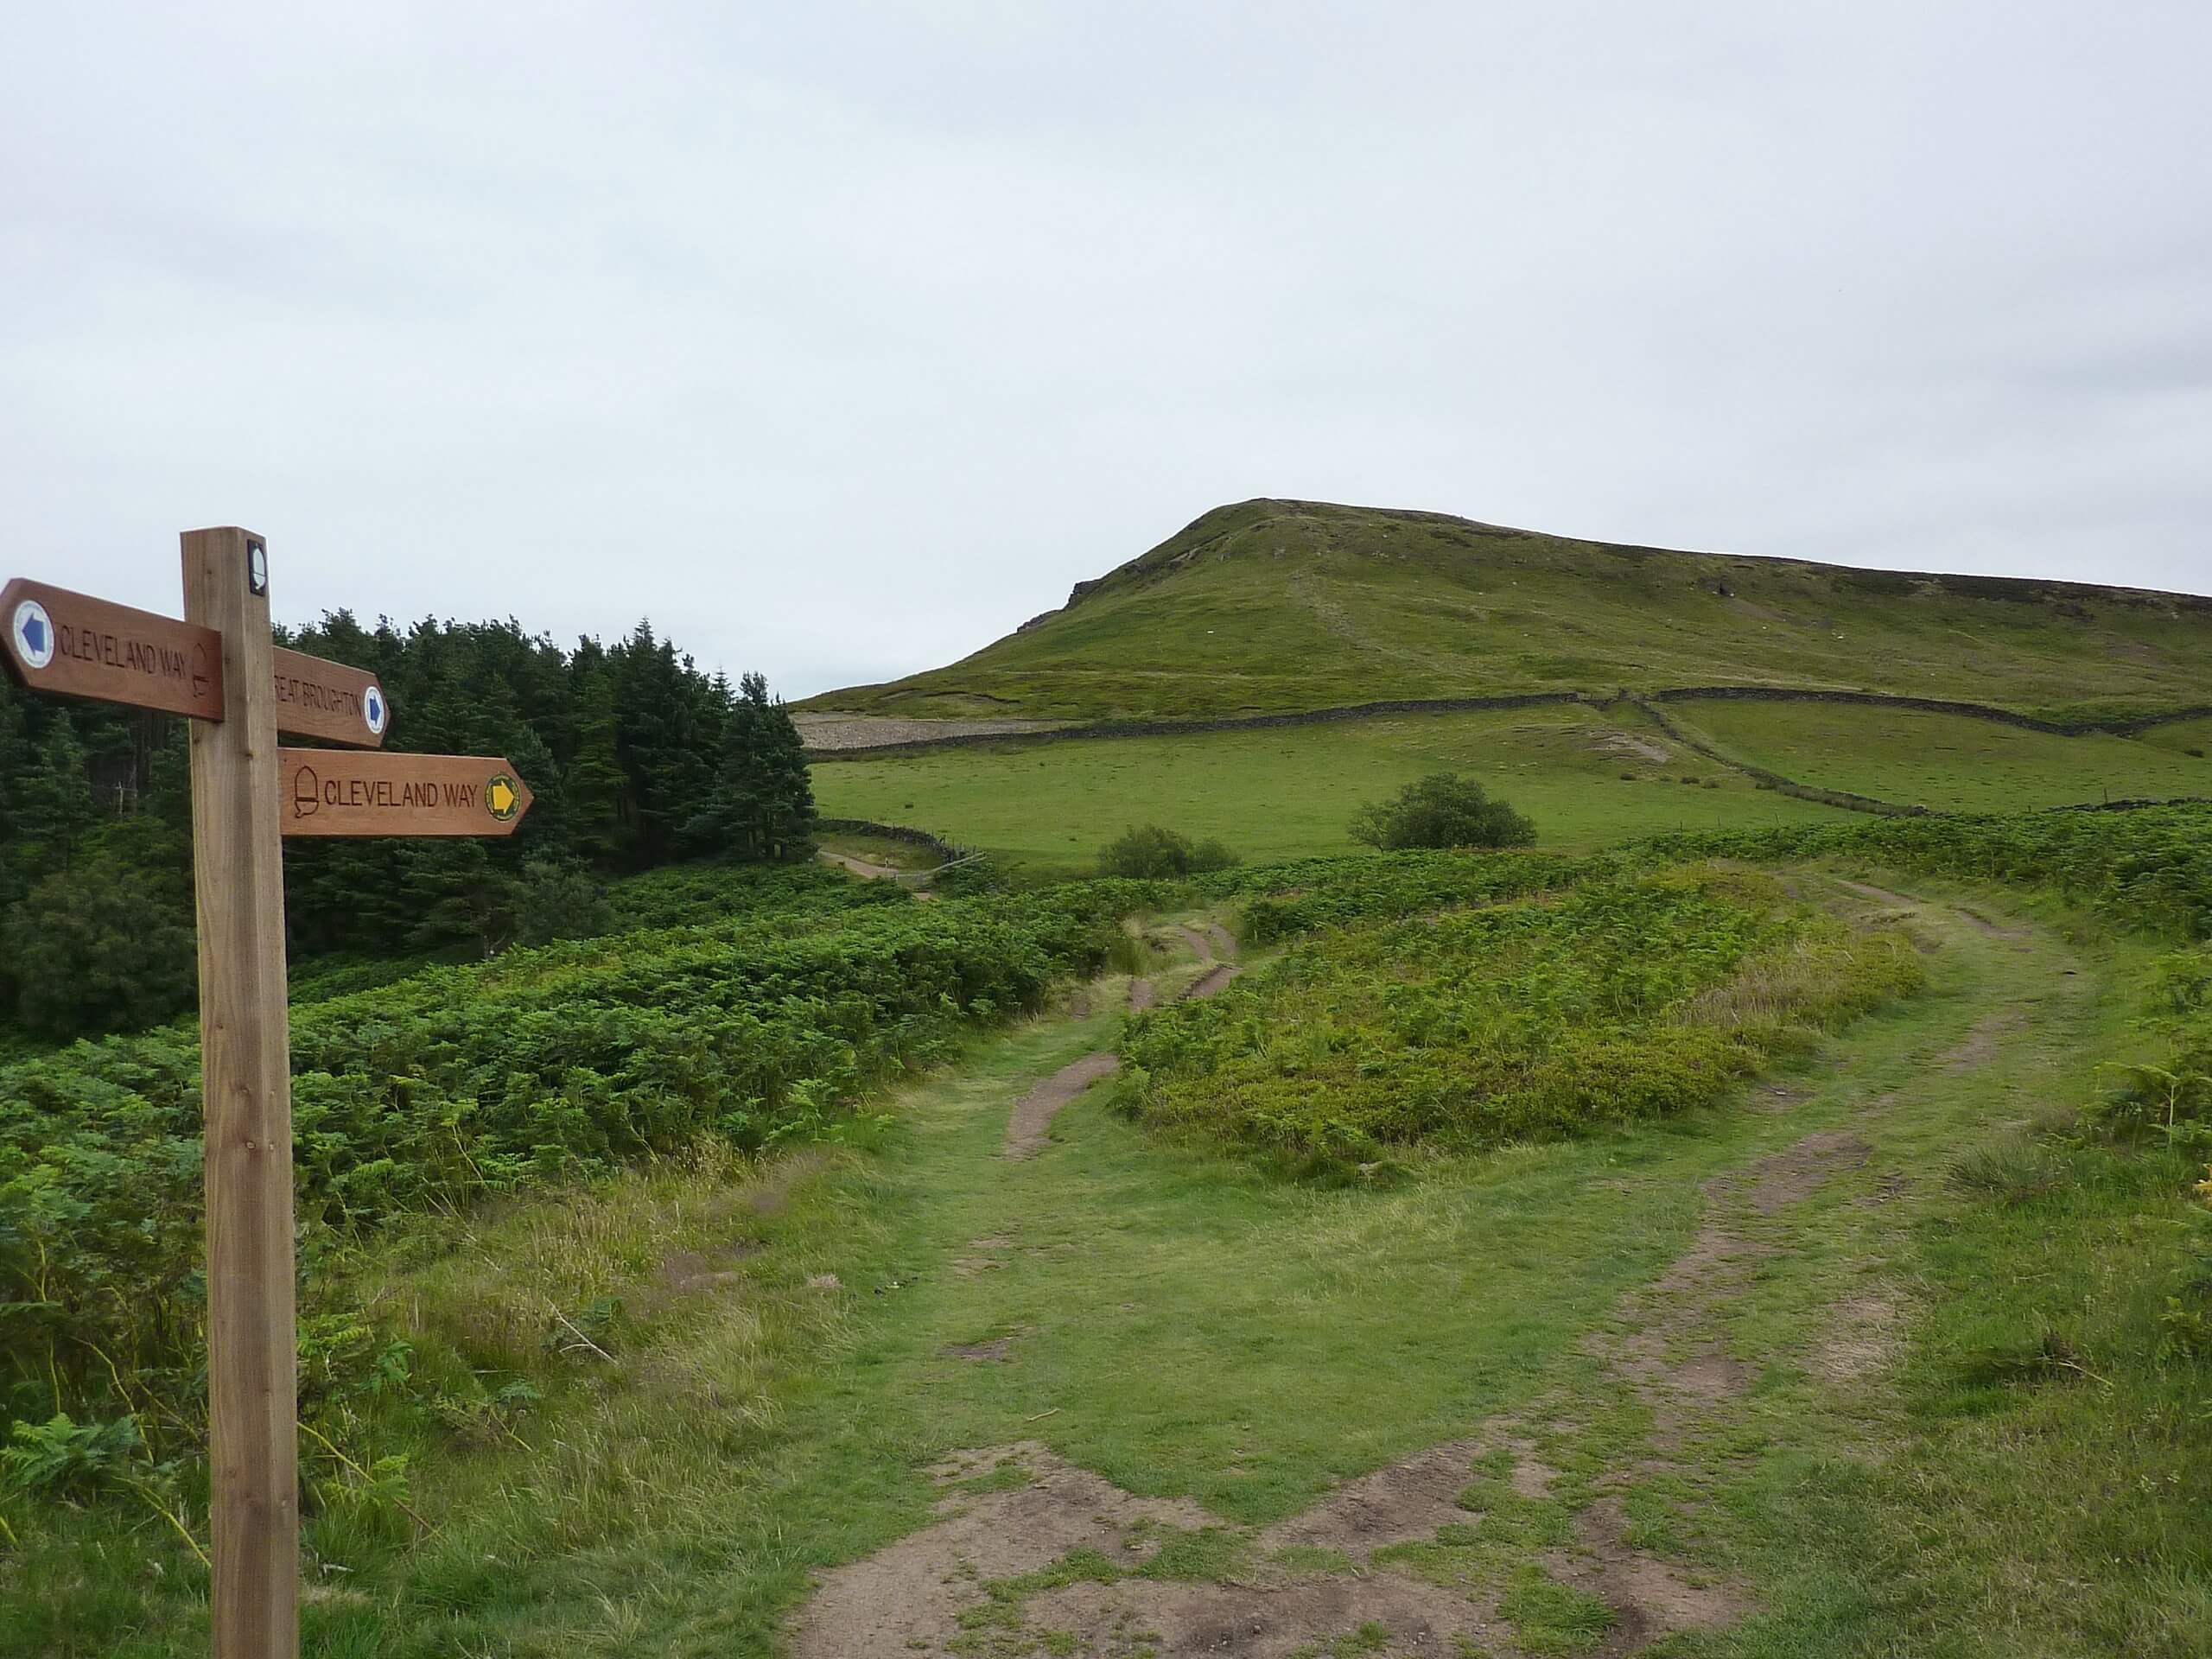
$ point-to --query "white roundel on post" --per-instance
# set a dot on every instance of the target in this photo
(376, 713)
(33, 632)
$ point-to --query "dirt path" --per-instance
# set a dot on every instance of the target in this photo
(1213, 946)
(1592, 1486)
(1032, 1115)
(860, 866)
(1034, 1112)
(1979, 922)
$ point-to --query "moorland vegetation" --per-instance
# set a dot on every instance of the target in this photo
(1614, 1002)
(1434, 1003)
(548, 1066)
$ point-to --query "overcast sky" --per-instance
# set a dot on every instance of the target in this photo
(841, 338)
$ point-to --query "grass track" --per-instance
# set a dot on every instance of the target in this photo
(1193, 1330)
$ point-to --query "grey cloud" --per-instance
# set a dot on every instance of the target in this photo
(841, 338)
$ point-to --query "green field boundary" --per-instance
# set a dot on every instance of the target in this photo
(1775, 780)
(2127, 726)
(1225, 724)
(944, 850)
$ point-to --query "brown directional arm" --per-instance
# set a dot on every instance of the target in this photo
(337, 792)
(71, 644)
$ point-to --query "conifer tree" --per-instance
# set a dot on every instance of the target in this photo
(623, 748)
(53, 808)
(761, 805)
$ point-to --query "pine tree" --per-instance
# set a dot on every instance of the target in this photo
(598, 796)
(786, 783)
(54, 812)
(16, 756)
(760, 806)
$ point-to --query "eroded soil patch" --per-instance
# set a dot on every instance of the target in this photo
(1011, 1512)
(1281, 1620)
(1034, 1112)
(1027, 1128)
(1394, 1505)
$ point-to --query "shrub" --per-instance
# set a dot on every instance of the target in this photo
(1212, 855)
(1151, 853)
(561, 901)
(1615, 1002)
(1442, 810)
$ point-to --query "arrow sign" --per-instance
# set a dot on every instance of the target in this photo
(76, 646)
(334, 792)
(329, 701)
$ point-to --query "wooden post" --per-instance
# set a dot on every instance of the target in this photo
(246, 1062)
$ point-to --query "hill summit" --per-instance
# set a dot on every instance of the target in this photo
(1276, 605)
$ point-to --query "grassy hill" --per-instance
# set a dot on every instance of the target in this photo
(1277, 606)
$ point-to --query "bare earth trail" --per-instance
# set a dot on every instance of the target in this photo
(1148, 1407)
(860, 867)
(1032, 1115)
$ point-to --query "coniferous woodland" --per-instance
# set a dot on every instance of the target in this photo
(636, 757)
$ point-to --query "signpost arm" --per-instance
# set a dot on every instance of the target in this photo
(238, 873)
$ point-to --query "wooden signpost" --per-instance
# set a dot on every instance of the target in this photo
(220, 667)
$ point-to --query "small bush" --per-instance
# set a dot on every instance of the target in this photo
(1150, 852)
(561, 901)
(1211, 854)
(1442, 810)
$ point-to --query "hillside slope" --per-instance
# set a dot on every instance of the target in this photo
(1274, 606)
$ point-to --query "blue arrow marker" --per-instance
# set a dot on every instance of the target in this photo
(35, 635)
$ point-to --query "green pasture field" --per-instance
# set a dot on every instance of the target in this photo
(891, 854)
(2190, 737)
(1952, 763)
(1290, 792)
